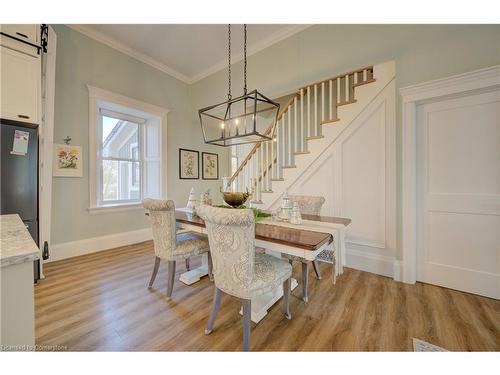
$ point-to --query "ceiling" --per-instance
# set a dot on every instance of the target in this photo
(187, 52)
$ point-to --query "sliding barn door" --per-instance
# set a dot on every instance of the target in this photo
(458, 196)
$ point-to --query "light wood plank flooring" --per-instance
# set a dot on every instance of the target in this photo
(100, 302)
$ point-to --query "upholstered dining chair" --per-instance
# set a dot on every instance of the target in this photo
(237, 269)
(170, 246)
(311, 205)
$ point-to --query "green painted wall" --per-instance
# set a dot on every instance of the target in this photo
(421, 52)
(82, 61)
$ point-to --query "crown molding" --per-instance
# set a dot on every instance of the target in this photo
(113, 43)
(259, 46)
(476, 79)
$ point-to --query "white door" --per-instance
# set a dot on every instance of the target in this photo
(458, 193)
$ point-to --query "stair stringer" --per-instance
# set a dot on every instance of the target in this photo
(384, 73)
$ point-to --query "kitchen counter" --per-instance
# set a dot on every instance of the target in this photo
(16, 244)
(17, 294)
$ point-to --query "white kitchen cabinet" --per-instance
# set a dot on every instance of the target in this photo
(29, 33)
(20, 86)
(26, 33)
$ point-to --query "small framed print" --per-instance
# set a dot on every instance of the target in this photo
(210, 166)
(67, 161)
(189, 164)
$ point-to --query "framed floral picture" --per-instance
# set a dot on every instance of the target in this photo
(189, 164)
(67, 161)
(210, 166)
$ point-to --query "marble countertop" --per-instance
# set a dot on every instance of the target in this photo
(16, 244)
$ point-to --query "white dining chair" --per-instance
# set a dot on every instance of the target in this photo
(311, 205)
(237, 269)
(170, 246)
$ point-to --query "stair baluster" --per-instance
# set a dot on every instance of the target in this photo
(294, 127)
(315, 110)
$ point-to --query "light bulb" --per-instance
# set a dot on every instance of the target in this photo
(222, 125)
(237, 121)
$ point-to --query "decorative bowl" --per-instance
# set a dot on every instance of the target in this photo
(235, 199)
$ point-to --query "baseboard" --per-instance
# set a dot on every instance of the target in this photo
(92, 245)
(398, 270)
(374, 263)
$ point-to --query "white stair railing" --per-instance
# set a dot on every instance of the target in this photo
(299, 122)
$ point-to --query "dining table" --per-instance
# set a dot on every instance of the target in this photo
(307, 240)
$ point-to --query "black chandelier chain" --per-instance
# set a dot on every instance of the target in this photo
(245, 58)
(229, 59)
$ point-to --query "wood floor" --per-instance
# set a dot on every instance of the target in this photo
(100, 302)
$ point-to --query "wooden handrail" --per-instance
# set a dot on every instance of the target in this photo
(335, 77)
(286, 108)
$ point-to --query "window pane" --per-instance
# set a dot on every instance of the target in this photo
(120, 138)
(121, 180)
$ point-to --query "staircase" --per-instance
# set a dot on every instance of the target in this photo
(311, 120)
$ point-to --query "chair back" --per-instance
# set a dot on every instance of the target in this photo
(231, 235)
(162, 216)
(308, 204)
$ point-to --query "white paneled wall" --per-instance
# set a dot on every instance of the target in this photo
(336, 139)
(356, 175)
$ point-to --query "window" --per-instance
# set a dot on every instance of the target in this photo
(126, 155)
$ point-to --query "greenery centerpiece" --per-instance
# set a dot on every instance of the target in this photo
(257, 213)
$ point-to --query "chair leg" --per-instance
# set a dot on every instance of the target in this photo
(171, 277)
(247, 311)
(188, 267)
(155, 271)
(316, 269)
(287, 288)
(305, 281)
(334, 260)
(210, 267)
(215, 310)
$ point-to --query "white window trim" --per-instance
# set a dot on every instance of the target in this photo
(97, 94)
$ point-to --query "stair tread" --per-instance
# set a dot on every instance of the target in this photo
(302, 152)
(346, 103)
(277, 179)
(315, 137)
(324, 122)
(267, 191)
(364, 83)
(288, 166)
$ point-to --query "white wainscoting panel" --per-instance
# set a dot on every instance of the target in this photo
(357, 176)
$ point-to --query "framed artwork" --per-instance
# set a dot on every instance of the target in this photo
(189, 164)
(210, 166)
(67, 161)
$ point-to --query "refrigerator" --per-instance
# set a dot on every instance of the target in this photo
(19, 176)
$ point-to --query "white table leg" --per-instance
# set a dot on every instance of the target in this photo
(341, 251)
(262, 303)
(193, 276)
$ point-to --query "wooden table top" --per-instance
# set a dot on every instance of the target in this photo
(296, 237)
(327, 219)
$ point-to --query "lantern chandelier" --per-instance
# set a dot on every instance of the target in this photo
(249, 118)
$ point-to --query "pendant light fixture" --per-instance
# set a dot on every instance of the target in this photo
(249, 118)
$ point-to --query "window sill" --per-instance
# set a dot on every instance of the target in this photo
(115, 208)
